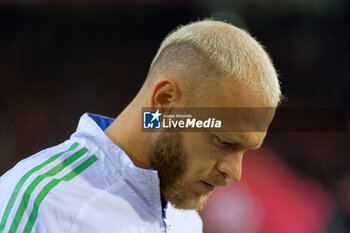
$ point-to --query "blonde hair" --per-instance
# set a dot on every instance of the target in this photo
(231, 52)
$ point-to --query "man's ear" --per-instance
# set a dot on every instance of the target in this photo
(165, 94)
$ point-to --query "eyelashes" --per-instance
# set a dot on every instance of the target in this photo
(219, 142)
(222, 144)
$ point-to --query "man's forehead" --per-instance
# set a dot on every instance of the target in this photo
(246, 119)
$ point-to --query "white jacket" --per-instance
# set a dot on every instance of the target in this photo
(87, 184)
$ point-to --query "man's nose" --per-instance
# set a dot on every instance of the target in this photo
(231, 166)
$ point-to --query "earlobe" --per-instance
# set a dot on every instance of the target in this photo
(165, 93)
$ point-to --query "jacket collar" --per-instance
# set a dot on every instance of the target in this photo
(144, 181)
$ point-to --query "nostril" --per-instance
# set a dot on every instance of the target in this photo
(227, 177)
(230, 169)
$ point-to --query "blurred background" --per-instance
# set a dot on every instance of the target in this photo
(62, 58)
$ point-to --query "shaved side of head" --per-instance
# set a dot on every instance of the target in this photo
(188, 65)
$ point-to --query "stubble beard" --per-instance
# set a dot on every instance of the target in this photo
(168, 158)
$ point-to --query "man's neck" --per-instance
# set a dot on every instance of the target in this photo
(125, 132)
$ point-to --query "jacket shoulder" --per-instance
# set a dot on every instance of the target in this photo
(25, 189)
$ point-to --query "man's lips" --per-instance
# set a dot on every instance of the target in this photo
(208, 186)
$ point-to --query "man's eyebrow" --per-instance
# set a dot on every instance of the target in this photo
(239, 139)
(249, 146)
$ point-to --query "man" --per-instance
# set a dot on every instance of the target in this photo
(111, 176)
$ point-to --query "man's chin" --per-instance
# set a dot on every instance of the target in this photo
(188, 203)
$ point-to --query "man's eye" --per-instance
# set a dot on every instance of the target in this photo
(221, 143)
